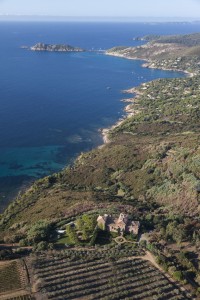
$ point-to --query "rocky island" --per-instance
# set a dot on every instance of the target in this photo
(55, 48)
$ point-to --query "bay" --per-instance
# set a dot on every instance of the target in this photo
(53, 104)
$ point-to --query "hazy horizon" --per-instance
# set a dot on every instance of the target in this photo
(96, 18)
(149, 9)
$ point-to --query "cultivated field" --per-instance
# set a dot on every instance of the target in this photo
(22, 297)
(9, 277)
(97, 276)
(13, 281)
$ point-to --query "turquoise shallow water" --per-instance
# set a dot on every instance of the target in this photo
(34, 161)
(52, 104)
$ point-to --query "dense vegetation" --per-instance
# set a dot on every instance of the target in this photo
(185, 39)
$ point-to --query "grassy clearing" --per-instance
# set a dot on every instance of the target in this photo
(63, 240)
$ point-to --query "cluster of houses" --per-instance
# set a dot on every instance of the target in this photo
(120, 225)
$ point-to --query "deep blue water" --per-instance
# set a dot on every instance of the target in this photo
(52, 104)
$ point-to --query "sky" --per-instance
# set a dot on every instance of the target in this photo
(103, 8)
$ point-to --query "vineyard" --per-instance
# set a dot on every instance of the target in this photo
(9, 277)
(22, 297)
(13, 281)
(97, 275)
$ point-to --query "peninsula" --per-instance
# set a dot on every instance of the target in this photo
(176, 52)
(55, 48)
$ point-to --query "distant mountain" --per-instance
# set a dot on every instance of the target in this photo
(55, 48)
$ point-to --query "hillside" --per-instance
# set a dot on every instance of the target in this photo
(178, 52)
(156, 149)
(189, 40)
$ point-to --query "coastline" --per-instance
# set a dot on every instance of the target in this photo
(147, 63)
(128, 109)
(105, 131)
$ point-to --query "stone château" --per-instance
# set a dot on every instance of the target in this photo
(122, 224)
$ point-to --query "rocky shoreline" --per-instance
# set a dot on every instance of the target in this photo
(130, 111)
(149, 63)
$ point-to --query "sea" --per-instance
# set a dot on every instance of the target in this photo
(52, 104)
